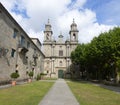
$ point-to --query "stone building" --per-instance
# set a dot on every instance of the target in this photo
(17, 50)
(57, 52)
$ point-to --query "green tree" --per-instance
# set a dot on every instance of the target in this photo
(101, 57)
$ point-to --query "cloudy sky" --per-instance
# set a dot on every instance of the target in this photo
(92, 16)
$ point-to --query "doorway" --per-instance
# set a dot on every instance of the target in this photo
(60, 74)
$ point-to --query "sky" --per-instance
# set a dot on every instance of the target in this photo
(91, 16)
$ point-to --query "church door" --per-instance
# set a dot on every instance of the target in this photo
(60, 73)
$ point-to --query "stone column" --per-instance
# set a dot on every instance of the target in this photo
(68, 50)
(68, 64)
(68, 47)
(52, 66)
(53, 50)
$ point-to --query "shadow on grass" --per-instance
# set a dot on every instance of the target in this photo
(96, 83)
(78, 81)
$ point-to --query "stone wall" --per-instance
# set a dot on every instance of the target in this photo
(27, 56)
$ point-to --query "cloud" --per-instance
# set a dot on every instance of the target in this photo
(8, 4)
(92, 30)
(79, 4)
(34, 34)
(107, 11)
(61, 14)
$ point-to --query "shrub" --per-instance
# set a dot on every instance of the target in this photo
(43, 74)
(31, 73)
(38, 77)
(15, 75)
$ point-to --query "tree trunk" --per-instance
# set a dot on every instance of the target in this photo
(117, 75)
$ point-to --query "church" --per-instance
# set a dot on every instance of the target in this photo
(57, 52)
(20, 53)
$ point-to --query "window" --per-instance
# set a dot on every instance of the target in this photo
(33, 69)
(0, 52)
(60, 63)
(60, 52)
(12, 52)
(35, 51)
(15, 33)
(22, 41)
(28, 44)
(16, 71)
(74, 36)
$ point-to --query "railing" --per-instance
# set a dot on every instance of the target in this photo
(22, 48)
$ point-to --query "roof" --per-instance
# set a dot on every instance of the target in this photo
(37, 40)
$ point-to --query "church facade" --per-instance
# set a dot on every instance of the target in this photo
(20, 53)
(57, 52)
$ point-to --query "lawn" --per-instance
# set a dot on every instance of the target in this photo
(27, 94)
(89, 94)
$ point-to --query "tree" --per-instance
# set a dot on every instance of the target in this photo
(101, 57)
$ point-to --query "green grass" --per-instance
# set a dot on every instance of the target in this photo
(48, 78)
(27, 94)
(89, 94)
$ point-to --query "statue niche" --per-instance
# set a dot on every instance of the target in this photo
(47, 37)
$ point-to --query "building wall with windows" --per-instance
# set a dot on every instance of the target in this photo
(57, 52)
(17, 51)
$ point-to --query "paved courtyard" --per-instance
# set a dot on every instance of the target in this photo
(59, 94)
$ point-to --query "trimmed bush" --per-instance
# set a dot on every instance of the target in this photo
(14, 75)
(31, 73)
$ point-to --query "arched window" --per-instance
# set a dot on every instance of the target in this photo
(60, 63)
(74, 36)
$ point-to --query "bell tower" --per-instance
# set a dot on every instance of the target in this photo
(48, 32)
(73, 32)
